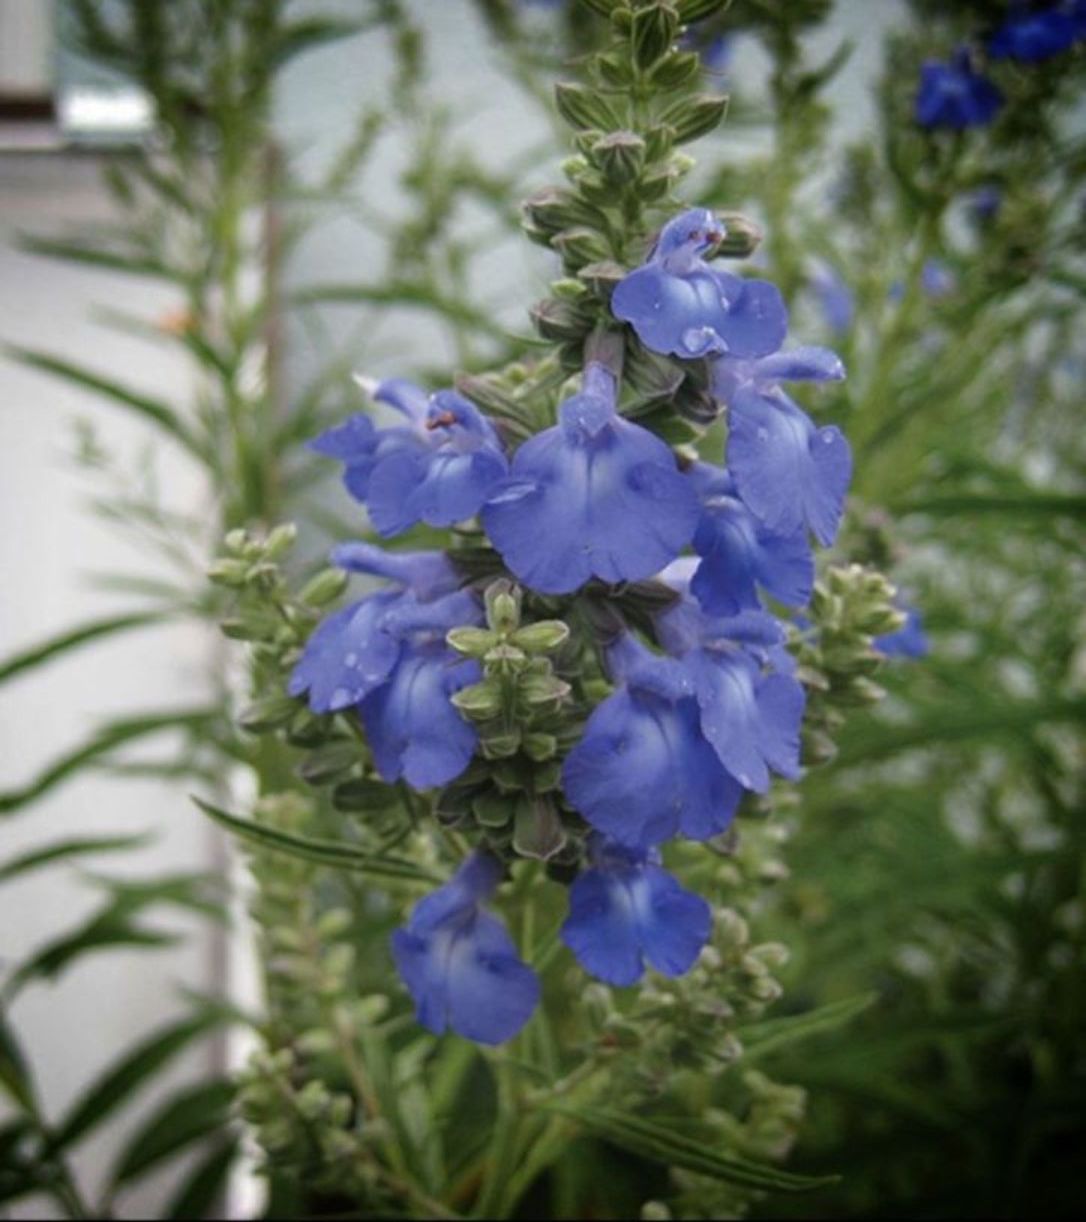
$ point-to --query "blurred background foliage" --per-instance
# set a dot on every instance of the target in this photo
(934, 867)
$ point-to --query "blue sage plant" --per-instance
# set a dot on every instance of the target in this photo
(584, 665)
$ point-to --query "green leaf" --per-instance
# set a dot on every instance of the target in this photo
(200, 1192)
(73, 638)
(14, 1074)
(97, 256)
(298, 36)
(188, 1116)
(106, 931)
(143, 405)
(772, 1033)
(944, 724)
(652, 1140)
(403, 295)
(337, 854)
(111, 736)
(64, 849)
(127, 1075)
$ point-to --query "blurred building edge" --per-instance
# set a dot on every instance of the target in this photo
(49, 99)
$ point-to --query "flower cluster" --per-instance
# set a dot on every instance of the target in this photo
(956, 95)
(703, 702)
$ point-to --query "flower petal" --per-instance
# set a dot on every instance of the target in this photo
(413, 729)
(787, 472)
(611, 504)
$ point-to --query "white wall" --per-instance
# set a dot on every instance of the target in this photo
(49, 545)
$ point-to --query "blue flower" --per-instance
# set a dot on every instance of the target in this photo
(439, 470)
(739, 554)
(594, 496)
(750, 708)
(984, 203)
(413, 729)
(936, 280)
(954, 96)
(1031, 37)
(626, 911)
(643, 770)
(359, 444)
(680, 306)
(836, 300)
(910, 640)
(460, 964)
(351, 653)
(787, 472)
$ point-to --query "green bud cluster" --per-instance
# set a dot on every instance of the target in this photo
(275, 623)
(642, 101)
(837, 663)
(294, 1091)
(521, 709)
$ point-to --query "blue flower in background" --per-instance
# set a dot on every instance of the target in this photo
(643, 770)
(626, 911)
(413, 729)
(739, 554)
(594, 496)
(1033, 36)
(936, 280)
(351, 653)
(910, 640)
(680, 306)
(836, 300)
(984, 203)
(954, 96)
(787, 472)
(439, 470)
(460, 964)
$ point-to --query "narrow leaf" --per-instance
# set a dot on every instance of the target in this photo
(650, 1139)
(97, 256)
(111, 736)
(104, 932)
(14, 1075)
(73, 638)
(337, 854)
(64, 849)
(199, 1194)
(772, 1033)
(128, 1074)
(186, 1117)
(143, 405)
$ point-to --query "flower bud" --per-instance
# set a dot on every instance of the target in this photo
(501, 744)
(675, 70)
(492, 809)
(268, 714)
(578, 246)
(741, 236)
(697, 10)
(280, 541)
(472, 642)
(538, 830)
(229, 572)
(329, 762)
(583, 108)
(654, 30)
(326, 587)
(695, 116)
(541, 637)
(503, 600)
(479, 702)
(620, 156)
